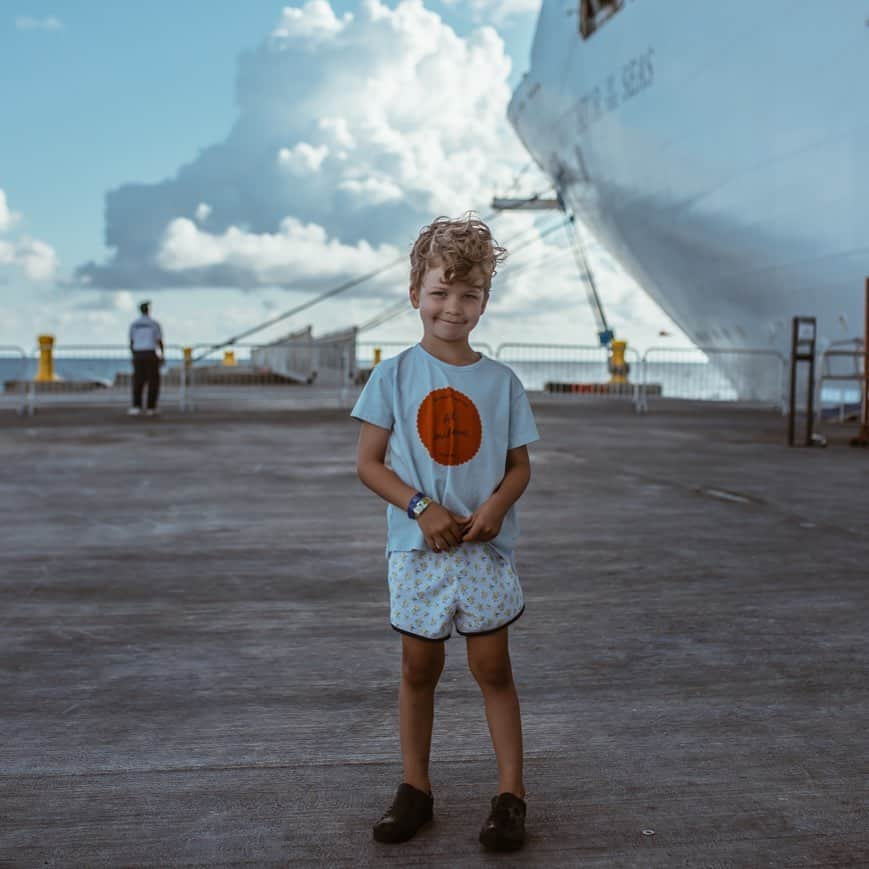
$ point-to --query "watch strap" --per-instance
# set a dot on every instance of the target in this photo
(414, 503)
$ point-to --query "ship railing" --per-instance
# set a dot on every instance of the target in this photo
(17, 369)
(744, 375)
(841, 371)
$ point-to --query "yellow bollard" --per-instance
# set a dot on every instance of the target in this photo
(45, 374)
(377, 356)
(188, 357)
(617, 365)
(229, 357)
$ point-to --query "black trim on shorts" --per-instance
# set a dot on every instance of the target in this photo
(492, 631)
(419, 636)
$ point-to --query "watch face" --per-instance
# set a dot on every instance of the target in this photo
(421, 505)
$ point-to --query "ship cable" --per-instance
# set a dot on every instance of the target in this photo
(546, 259)
(604, 333)
(489, 218)
(388, 313)
(542, 234)
(395, 308)
(347, 285)
(535, 203)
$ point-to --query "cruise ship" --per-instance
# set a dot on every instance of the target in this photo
(718, 151)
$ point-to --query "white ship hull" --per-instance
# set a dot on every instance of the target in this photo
(719, 151)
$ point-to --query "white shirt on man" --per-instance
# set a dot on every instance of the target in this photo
(145, 333)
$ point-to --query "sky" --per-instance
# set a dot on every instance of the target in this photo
(230, 161)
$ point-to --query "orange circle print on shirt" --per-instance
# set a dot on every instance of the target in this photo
(449, 425)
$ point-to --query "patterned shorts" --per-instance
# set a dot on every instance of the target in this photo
(473, 586)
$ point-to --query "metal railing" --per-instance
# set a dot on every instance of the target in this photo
(542, 365)
(102, 363)
(102, 369)
(16, 365)
(705, 374)
(834, 368)
(715, 374)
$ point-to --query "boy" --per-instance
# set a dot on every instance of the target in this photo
(456, 424)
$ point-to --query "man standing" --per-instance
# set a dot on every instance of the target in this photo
(145, 337)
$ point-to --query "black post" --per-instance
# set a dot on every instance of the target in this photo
(810, 412)
(802, 350)
(792, 408)
(862, 439)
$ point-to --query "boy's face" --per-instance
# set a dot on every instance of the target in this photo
(449, 312)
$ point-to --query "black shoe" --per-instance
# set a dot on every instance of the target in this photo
(504, 829)
(410, 809)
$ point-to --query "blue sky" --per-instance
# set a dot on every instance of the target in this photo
(238, 161)
(87, 100)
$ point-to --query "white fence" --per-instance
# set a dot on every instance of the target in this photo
(840, 380)
(704, 374)
(16, 366)
(715, 374)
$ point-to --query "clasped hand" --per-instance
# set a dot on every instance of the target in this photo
(444, 529)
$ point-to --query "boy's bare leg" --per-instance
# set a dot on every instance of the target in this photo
(489, 660)
(422, 662)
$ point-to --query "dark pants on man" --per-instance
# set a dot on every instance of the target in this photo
(146, 369)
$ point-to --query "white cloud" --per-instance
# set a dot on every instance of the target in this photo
(302, 158)
(372, 190)
(25, 22)
(120, 301)
(338, 131)
(8, 218)
(123, 301)
(498, 11)
(36, 259)
(379, 121)
(268, 258)
(313, 22)
(202, 211)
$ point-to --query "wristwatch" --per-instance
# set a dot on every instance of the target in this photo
(418, 504)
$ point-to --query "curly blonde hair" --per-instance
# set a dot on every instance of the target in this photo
(459, 245)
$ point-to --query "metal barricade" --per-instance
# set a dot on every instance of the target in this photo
(715, 374)
(18, 368)
(98, 363)
(538, 364)
(102, 369)
(102, 363)
(834, 367)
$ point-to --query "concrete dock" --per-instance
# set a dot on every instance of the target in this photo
(196, 664)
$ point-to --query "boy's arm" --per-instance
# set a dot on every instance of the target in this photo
(441, 528)
(372, 470)
(486, 521)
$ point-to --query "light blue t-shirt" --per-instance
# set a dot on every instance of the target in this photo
(145, 333)
(451, 428)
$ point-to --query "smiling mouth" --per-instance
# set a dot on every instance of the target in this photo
(451, 322)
